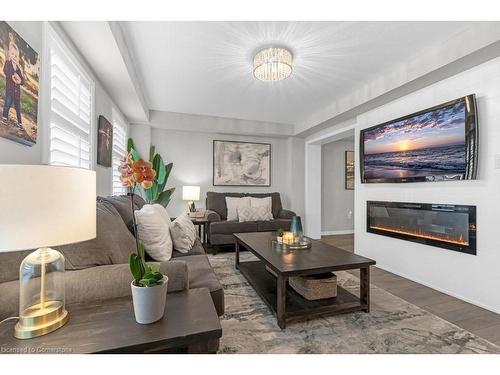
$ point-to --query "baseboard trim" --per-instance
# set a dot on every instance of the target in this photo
(335, 232)
(442, 290)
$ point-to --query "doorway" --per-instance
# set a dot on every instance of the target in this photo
(337, 192)
(314, 175)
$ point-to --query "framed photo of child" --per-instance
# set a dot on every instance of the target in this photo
(19, 78)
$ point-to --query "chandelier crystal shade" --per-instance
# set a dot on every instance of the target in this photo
(272, 64)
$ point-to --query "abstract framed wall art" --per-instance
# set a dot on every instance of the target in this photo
(241, 163)
(104, 142)
(19, 79)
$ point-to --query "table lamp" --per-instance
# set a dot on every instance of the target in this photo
(191, 194)
(44, 206)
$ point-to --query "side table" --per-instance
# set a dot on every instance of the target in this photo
(190, 324)
(201, 223)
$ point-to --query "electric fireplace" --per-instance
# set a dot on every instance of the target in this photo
(449, 226)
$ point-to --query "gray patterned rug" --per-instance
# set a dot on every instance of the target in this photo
(392, 326)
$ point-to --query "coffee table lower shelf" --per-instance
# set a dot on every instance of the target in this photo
(296, 306)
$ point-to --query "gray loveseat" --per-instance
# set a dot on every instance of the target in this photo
(220, 230)
(98, 269)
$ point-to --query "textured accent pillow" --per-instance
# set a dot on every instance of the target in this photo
(183, 233)
(266, 202)
(112, 244)
(254, 214)
(154, 232)
(233, 204)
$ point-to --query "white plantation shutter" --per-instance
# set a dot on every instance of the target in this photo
(71, 98)
(119, 149)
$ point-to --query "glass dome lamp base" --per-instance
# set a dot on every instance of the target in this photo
(42, 296)
(38, 321)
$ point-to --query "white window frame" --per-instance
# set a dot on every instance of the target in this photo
(120, 124)
(52, 34)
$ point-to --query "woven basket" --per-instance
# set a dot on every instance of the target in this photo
(315, 287)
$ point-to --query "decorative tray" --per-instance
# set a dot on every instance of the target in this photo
(305, 243)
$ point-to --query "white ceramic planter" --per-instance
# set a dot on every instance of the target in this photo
(149, 302)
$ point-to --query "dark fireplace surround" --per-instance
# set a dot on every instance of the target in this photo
(449, 226)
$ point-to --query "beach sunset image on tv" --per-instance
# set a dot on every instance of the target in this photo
(428, 144)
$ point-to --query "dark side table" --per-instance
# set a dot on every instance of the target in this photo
(201, 222)
(109, 326)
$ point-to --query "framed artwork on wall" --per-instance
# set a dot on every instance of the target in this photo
(241, 163)
(349, 170)
(104, 142)
(19, 77)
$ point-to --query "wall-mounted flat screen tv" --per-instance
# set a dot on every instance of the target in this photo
(436, 144)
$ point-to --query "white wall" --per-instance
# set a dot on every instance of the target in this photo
(192, 155)
(15, 153)
(472, 278)
(337, 203)
(296, 177)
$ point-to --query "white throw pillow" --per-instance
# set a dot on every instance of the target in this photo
(183, 233)
(233, 204)
(163, 212)
(254, 214)
(266, 202)
(154, 232)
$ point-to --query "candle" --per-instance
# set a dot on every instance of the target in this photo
(288, 238)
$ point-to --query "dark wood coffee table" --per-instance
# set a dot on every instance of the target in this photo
(110, 327)
(287, 304)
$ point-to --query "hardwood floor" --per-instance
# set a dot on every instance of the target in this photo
(475, 319)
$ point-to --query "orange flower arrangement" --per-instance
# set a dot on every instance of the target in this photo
(144, 174)
(136, 172)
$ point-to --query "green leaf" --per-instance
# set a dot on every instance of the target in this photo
(161, 174)
(146, 281)
(164, 197)
(151, 193)
(153, 267)
(134, 264)
(158, 276)
(135, 155)
(151, 153)
(130, 144)
(168, 169)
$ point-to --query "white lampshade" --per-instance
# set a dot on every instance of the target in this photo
(190, 193)
(45, 206)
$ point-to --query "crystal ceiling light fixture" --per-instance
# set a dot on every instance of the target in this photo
(272, 64)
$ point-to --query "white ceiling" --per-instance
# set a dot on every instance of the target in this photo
(205, 68)
(98, 43)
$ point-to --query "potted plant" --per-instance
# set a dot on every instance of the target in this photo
(149, 286)
(279, 235)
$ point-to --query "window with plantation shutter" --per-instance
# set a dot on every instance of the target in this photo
(119, 149)
(71, 100)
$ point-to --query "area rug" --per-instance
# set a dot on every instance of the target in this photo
(392, 326)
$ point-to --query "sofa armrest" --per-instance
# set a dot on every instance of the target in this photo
(177, 273)
(113, 281)
(212, 216)
(285, 214)
(97, 284)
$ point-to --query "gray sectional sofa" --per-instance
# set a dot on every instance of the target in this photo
(98, 269)
(220, 230)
